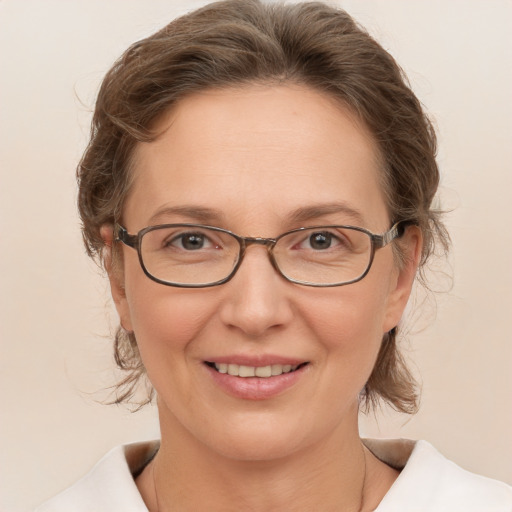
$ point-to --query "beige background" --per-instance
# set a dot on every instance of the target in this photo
(54, 309)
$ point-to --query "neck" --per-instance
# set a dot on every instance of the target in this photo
(186, 475)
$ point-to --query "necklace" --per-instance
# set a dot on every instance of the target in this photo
(154, 484)
(361, 501)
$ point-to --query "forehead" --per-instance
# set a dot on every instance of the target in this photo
(257, 152)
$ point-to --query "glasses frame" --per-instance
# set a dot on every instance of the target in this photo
(377, 242)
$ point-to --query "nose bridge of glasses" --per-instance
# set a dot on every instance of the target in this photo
(269, 243)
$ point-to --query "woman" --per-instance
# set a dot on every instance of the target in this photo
(258, 186)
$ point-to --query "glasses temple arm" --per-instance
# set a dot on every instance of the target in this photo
(396, 231)
(122, 235)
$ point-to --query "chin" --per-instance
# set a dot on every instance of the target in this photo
(255, 445)
(269, 435)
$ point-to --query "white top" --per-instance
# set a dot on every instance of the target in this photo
(428, 482)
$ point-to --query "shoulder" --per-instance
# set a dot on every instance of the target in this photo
(429, 482)
(109, 485)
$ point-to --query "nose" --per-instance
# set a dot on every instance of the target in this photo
(257, 298)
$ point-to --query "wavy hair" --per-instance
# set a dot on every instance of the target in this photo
(237, 42)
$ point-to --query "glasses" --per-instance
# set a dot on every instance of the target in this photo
(197, 256)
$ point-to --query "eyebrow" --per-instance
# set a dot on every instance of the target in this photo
(204, 215)
(319, 210)
(198, 214)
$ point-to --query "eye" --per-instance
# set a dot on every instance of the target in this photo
(190, 241)
(321, 240)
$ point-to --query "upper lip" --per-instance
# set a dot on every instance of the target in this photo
(256, 360)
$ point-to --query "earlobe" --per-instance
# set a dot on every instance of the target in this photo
(411, 244)
(116, 277)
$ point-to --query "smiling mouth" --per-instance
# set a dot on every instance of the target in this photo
(238, 370)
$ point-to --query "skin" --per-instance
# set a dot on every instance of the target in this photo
(255, 155)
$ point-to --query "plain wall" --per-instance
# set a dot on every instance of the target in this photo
(55, 313)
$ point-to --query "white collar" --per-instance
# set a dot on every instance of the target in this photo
(428, 482)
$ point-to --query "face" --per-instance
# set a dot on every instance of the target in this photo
(259, 161)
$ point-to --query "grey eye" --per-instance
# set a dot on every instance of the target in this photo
(190, 241)
(321, 240)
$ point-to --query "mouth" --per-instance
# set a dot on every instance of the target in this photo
(264, 372)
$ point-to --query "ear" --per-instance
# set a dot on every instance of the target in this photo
(116, 277)
(411, 245)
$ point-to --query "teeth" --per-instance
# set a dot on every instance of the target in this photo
(264, 371)
(277, 369)
(222, 367)
(246, 371)
(255, 371)
(233, 369)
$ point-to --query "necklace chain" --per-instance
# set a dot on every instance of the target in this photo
(361, 501)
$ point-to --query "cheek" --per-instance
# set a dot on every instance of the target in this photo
(168, 319)
(348, 324)
(166, 326)
(165, 320)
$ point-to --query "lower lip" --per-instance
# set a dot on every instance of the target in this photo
(256, 388)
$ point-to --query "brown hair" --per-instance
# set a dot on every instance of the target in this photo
(236, 42)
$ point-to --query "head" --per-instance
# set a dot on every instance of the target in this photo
(253, 49)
